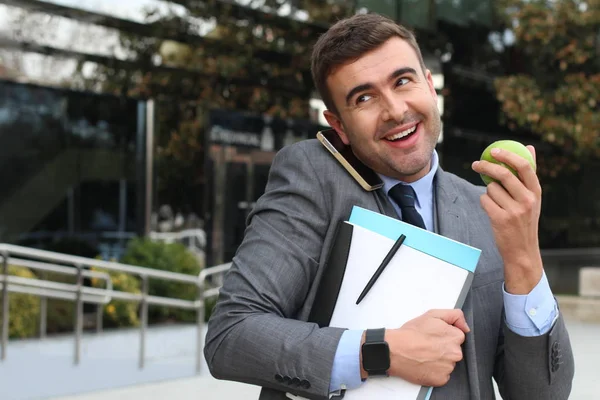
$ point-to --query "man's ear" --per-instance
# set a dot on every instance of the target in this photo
(337, 125)
(429, 78)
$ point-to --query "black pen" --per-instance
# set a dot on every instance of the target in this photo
(384, 264)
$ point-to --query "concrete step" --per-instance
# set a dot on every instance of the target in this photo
(579, 308)
(589, 282)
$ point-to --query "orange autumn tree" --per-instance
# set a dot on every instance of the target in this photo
(555, 92)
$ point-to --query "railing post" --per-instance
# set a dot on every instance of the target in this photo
(99, 317)
(144, 321)
(43, 316)
(200, 313)
(78, 314)
(5, 315)
(43, 311)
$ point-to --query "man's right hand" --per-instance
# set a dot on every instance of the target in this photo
(426, 349)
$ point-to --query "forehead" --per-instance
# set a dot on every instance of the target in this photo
(374, 66)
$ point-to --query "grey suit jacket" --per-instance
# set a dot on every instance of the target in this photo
(258, 334)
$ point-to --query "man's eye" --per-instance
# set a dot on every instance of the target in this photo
(402, 81)
(362, 98)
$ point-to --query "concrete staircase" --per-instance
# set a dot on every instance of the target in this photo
(43, 192)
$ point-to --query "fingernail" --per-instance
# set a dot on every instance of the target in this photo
(475, 163)
(496, 151)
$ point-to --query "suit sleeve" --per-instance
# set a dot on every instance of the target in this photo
(535, 367)
(252, 334)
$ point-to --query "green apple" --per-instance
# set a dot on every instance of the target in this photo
(508, 145)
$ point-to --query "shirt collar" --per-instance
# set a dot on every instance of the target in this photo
(421, 186)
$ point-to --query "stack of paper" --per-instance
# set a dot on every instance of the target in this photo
(428, 272)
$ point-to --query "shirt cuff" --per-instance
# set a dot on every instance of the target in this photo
(346, 369)
(532, 314)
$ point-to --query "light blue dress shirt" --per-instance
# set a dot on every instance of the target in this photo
(527, 315)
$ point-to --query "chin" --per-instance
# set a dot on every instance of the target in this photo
(412, 169)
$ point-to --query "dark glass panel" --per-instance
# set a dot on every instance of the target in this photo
(67, 165)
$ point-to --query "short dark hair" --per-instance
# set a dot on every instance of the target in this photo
(349, 39)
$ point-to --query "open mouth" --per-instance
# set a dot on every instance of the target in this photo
(403, 135)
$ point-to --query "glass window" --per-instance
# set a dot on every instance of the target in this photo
(67, 165)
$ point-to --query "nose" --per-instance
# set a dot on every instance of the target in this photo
(394, 109)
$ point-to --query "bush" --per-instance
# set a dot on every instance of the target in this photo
(119, 313)
(23, 309)
(173, 257)
(60, 316)
(61, 313)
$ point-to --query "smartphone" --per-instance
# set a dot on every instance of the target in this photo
(365, 176)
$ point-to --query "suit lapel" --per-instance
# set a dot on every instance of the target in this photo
(451, 218)
(383, 204)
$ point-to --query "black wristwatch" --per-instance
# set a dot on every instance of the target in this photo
(375, 353)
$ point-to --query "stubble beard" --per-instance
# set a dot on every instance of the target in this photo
(405, 168)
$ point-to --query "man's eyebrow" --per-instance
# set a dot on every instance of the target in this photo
(357, 89)
(367, 86)
(402, 71)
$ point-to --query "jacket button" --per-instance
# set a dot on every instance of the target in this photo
(555, 346)
(295, 382)
(287, 379)
(305, 384)
(278, 378)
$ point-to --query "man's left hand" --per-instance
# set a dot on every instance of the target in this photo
(514, 205)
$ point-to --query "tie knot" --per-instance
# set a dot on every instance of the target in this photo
(404, 195)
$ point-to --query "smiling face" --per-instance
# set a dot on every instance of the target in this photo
(387, 110)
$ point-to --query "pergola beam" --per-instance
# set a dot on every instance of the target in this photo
(276, 85)
(158, 30)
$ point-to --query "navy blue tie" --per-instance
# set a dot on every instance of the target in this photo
(404, 196)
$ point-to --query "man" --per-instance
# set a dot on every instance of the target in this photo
(381, 101)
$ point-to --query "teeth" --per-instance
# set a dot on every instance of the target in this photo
(402, 134)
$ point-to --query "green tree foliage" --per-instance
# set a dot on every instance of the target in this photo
(556, 91)
(553, 91)
(250, 58)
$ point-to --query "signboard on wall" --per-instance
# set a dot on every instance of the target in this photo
(231, 128)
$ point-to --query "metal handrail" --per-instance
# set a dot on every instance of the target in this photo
(220, 269)
(81, 294)
(45, 289)
(108, 265)
(32, 286)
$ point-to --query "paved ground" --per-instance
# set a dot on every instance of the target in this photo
(586, 346)
(108, 361)
(44, 370)
(204, 388)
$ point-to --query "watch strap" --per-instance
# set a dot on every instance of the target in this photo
(376, 336)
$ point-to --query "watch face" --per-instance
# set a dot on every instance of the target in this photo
(376, 356)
